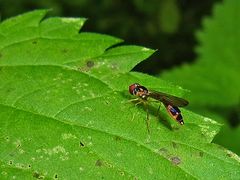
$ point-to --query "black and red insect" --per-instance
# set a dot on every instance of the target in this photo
(170, 102)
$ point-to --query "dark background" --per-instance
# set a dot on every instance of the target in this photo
(166, 25)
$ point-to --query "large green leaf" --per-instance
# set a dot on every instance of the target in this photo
(65, 111)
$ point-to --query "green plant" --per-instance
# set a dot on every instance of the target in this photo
(65, 111)
(214, 78)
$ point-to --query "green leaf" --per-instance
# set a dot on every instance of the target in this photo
(228, 136)
(214, 78)
(65, 111)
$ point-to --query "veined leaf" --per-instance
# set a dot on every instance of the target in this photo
(65, 111)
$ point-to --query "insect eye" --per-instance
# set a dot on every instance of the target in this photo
(135, 91)
(132, 88)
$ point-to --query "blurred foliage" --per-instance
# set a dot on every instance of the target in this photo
(214, 77)
(167, 25)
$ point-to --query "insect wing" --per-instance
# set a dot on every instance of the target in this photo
(168, 99)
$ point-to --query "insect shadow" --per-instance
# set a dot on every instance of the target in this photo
(153, 112)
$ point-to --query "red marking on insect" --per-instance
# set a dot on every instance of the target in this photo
(170, 102)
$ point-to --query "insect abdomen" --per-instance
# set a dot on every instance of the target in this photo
(175, 113)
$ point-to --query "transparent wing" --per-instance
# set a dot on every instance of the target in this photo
(168, 99)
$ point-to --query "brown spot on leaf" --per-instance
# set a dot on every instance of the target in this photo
(176, 160)
(201, 154)
(99, 163)
(37, 175)
(90, 63)
(87, 67)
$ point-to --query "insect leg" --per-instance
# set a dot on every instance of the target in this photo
(138, 100)
(147, 121)
(158, 110)
(133, 100)
(138, 103)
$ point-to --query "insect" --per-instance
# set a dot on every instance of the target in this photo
(170, 102)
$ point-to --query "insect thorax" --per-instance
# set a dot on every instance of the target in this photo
(143, 94)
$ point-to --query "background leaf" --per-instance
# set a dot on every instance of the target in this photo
(214, 78)
(65, 110)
